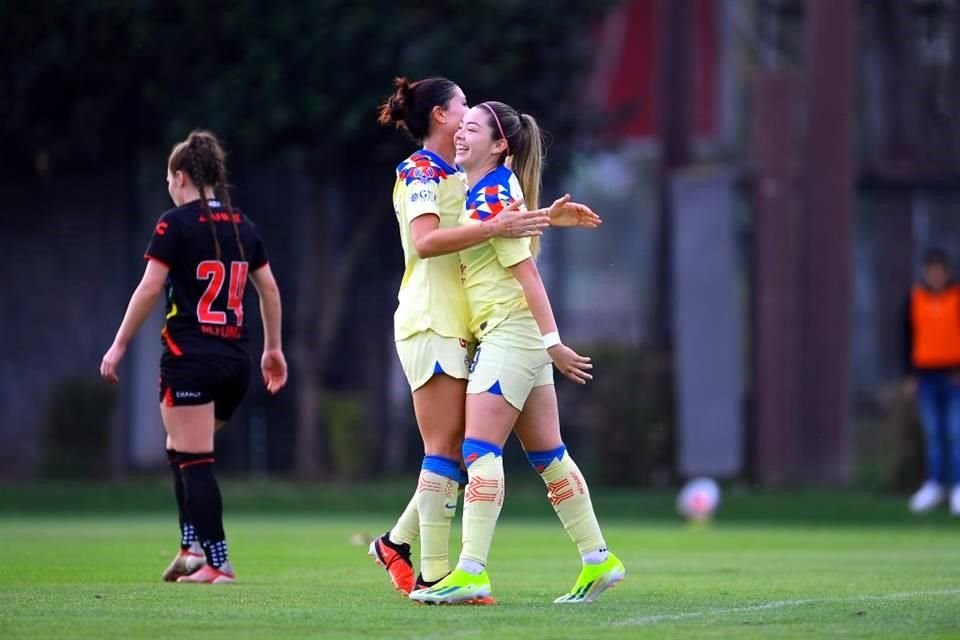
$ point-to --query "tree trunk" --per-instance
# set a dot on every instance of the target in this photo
(326, 273)
(827, 240)
(675, 96)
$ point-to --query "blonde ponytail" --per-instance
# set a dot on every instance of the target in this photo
(527, 164)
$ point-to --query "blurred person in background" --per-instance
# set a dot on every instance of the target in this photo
(430, 323)
(201, 254)
(510, 386)
(932, 360)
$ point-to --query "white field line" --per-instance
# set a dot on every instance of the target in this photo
(781, 604)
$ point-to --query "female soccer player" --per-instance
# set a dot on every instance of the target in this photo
(510, 386)
(201, 253)
(430, 324)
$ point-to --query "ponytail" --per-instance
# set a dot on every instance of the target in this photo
(526, 152)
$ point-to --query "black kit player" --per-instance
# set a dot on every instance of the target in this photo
(200, 255)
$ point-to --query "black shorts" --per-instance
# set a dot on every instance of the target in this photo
(195, 380)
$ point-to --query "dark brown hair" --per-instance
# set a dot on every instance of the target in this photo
(202, 158)
(412, 103)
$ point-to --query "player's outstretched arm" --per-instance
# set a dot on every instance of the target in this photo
(142, 301)
(566, 360)
(429, 240)
(273, 365)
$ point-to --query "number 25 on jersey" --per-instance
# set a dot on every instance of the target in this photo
(215, 272)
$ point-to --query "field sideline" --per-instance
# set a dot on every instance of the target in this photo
(304, 576)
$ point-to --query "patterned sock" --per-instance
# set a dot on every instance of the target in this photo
(407, 528)
(216, 551)
(202, 497)
(483, 499)
(188, 534)
(437, 505)
(568, 493)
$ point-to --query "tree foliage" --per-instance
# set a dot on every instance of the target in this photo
(91, 82)
(268, 77)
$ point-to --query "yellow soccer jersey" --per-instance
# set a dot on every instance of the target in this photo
(492, 291)
(431, 297)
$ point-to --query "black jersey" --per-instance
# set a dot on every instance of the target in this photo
(204, 294)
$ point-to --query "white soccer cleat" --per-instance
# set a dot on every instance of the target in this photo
(955, 500)
(927, 497)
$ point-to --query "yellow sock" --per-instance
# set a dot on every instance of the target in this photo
(437, 505)
(407, 528)
(568, 493)
(482, 502)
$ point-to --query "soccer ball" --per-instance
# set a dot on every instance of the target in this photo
(698, 499)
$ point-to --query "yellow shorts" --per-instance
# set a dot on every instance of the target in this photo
(424, 355)
(511, 371)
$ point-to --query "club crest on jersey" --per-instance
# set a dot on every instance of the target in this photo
(489, 202)
(420, 168)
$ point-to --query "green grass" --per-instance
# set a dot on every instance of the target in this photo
(302, 576)
(153, 495)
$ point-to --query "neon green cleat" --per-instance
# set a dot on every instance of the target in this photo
(459, 587)
(594, 579)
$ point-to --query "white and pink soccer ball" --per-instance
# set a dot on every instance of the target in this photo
(699, 499)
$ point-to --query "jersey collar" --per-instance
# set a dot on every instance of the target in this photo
(499, 176)
(440, 162)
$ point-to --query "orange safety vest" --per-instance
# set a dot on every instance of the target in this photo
(935, 316)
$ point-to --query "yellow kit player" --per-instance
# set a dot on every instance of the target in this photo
(430, 323)
(510, 386)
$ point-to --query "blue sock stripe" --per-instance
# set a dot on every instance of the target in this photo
(441, 466)
(540, 460)
(473, 449)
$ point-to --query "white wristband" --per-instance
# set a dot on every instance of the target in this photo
(551, 339)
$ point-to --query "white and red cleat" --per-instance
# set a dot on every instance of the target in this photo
(211, 575)
(186, 562)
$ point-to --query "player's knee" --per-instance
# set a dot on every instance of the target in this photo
(446, 445)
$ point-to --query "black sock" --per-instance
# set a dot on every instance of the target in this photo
(204, 504)
(423, 584)
(188, 534)
(401, 547)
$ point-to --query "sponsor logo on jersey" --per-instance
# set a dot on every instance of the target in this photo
(424, 194)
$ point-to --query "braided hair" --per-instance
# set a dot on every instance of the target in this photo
(202, 158)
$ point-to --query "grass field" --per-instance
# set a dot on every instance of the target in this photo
(96, 575)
